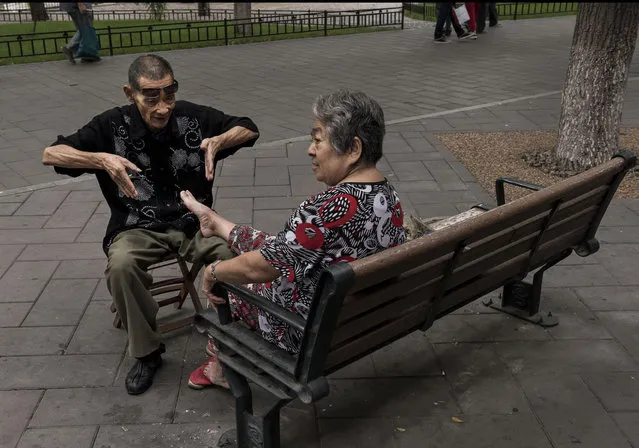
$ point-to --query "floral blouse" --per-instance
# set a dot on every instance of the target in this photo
(344, 223)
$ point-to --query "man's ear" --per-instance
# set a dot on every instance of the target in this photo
(128, 91)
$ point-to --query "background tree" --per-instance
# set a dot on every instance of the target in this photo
(155, 9)
(202, 9)
(592, 102)
(38, 12)
(242, 13)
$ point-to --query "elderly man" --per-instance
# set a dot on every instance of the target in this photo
(143, 155)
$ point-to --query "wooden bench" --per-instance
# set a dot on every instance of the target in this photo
(365, 305)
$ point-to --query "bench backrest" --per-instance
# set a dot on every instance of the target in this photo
(371, 302)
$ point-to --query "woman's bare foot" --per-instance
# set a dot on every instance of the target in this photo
(213, 371)
(203, 213)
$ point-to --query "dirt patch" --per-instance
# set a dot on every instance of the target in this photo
(491, 155)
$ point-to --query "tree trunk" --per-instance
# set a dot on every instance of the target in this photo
(203, 9)
(242, 13)
(38, 12)
(602, 47)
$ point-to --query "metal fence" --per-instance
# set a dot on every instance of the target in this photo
(504, 10)
(183, 15)
(113, 39)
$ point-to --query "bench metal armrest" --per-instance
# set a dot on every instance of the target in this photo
(222, 289)
(499, 187)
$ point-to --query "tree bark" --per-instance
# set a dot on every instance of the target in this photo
(203, 9)
(592, 102)
(38, 12)
(242, 13)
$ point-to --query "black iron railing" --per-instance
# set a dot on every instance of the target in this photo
(113, 39)
(509, 11)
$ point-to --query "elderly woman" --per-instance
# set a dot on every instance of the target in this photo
(358, 215)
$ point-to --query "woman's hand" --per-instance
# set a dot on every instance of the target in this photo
(207, 287)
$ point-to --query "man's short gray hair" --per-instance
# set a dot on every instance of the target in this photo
(347, 115)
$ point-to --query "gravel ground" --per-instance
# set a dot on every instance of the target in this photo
(490, 155)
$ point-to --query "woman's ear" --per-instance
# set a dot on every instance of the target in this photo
(355, 153)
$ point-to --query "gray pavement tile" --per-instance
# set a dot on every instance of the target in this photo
(271, 221)
(71, 214)
(77, 437)
(411, 355)
(58, 371)
(484, 327)
(18, 197)
(101, 292)
(443, 197)
(61, 303)
(8, 208)
(301, 169)
(306, 185)
(95, 334)
(103, 208)
(24, 281)
(420, 186)
(271, 176)
(33, 341)
(610, 298)
(570, 413)
(445, 175)
(42, 202)
(617, 235)
(12, 314)
(22, 222)
(95, 228)
(578, 327)
(616, 391)
(506, 431)
(436, 210)
(406, 171)
(620, 261)
(623, 326)
(628, 423)
(80, 269)
(403, 397)
(71, 251)
(250, 192)
(238, 167)
(17, 407)
(236, 209)
(40, 236)
(84, 196)
(357, 432)
(619, 215)
(362, 368)
(103, 406)
(161, 436)
(582, 275)
(533, 357)
(29, 167)
(234, 181)
(284, 202)
(9, 253)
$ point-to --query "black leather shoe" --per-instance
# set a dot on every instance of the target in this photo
(140, 377)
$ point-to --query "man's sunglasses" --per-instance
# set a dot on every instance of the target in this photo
(152, 96)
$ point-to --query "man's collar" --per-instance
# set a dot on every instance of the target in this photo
(138, 128)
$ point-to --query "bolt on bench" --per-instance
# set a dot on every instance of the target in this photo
(365, 305)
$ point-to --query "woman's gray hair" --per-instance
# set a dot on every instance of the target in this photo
(347, 115)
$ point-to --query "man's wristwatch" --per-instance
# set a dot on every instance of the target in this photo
(213, 276)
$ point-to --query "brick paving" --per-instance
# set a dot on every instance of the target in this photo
(62, 364)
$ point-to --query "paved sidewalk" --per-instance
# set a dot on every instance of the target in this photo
(62, 364)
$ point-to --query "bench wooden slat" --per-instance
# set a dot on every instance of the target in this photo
(347, 353)
(394, 261)
(366, 300)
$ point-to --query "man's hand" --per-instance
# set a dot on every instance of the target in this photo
(210, 146)
(116, 166)
(207, 288)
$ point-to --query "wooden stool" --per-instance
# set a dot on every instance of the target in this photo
(183, 284)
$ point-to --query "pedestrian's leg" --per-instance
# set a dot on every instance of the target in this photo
(482, 9)
(472, 21)
(442, 15)
(493, 17)
(461, 32)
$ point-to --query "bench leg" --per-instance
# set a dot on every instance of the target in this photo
(522, 299)
(251, 431)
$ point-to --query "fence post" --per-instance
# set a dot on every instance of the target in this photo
(226, 34)
(325, 22)
(515, 15)
(20, 15)
(424, 6)
(402, 18)
(110, 41)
